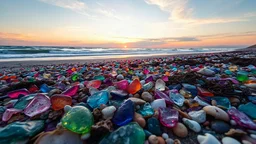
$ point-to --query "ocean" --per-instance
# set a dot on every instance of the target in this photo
(35, 52)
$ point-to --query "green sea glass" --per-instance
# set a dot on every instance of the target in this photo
(228, 72)
(74, 77)
(99, 77)
(222, 102)
(128, 134)
(242, 76)
(23, 102)
(79, 120)
(20, 132)
(249, 109)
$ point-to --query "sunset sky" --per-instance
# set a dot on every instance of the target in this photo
(128, 23)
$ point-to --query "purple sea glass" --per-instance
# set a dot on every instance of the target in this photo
(162, 95)
(168, 117)
(234, 81)
(241, 119)
(149, 79)
(71, 91)
(15, 94)
(39, 104)
(9, 113)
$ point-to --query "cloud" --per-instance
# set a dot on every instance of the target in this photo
(108, 12)
(80, 7)
(16, 39)
(181, 13)
(228, 35)
(14, 36)
(74, 5)
(147, 42)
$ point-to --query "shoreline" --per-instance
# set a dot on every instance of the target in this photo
(12, 63)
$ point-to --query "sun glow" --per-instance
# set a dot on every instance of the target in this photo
(125, 46)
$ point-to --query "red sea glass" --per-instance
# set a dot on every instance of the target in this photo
(134, 87)
(15, 94)
(71, 91)
(39, 104)
(94, 83)
(203, 92)
(168, 117)
(33, 89)
(59, 101)
(241, 119)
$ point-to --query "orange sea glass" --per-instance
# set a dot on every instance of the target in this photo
(94, 83)
(134, 87)
(59, 101)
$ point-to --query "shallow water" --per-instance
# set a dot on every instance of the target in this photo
(18, 53)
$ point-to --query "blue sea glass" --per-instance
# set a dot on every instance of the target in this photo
(124, 113)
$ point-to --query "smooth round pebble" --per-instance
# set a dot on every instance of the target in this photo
(165, 136)
(158, 103)
(153, 139)
(253, 136)
(232, 122)
(169, 141)
(207, 139)
(120, 77)
(198, 116)
(146, 96)
(140, 120)
(108, 112)
(160, 140)
(229, 140)
(180, 130)
(193, 125)
(220, 126)
(216, 112)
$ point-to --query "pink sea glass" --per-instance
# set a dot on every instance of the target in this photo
(122, 85)
(165, 78)
(94, 83)
(241, 119)
(9, 113)
(39, 104)
(195, 69)
(71, 91)
(162, 95)
(146, 71)
(15, 94)
(168, 117)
